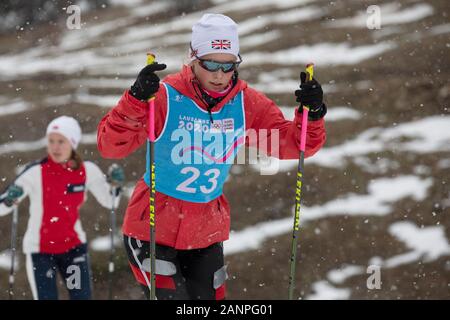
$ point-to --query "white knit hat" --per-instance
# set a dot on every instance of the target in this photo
(68, 127)
(214, 33)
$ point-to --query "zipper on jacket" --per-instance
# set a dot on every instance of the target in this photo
(210, 114)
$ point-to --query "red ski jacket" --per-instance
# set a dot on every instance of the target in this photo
(181, 224)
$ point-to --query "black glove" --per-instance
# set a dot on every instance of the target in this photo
(311, 95)
(116, 177)
(147, 82)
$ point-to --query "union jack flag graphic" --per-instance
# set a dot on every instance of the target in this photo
(221, 44)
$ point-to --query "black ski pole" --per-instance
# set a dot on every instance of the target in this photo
(151, 138)
(112, 232)
(15, 218)
(298, 190)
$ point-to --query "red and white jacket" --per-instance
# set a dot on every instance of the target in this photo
(56, 194)
(181, 224)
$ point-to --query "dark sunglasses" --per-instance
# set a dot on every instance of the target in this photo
(213, 66)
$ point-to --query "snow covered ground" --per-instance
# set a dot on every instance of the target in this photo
(428, 135)
(382, 193)
(5, 260)
(426, 244)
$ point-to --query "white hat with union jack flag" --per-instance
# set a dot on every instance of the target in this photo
(214, 33)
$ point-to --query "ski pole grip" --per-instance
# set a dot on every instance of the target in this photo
(309, 76)
(309, 71)
(150, 58)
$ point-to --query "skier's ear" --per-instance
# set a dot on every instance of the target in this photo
(302, 77)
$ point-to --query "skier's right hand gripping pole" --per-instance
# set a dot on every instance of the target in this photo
(298, 190)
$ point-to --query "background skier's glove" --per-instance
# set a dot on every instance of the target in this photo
(311, 95)
(147, 82)
(12, 194)
(116, 175)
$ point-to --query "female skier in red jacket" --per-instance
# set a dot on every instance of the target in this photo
(57, 186)
(205, 101)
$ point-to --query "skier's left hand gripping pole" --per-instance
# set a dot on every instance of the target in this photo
(151, 138)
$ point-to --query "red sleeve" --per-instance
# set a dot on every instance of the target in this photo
(263, 113)
(125, 127)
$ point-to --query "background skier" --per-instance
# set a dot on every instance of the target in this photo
(57, 186)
